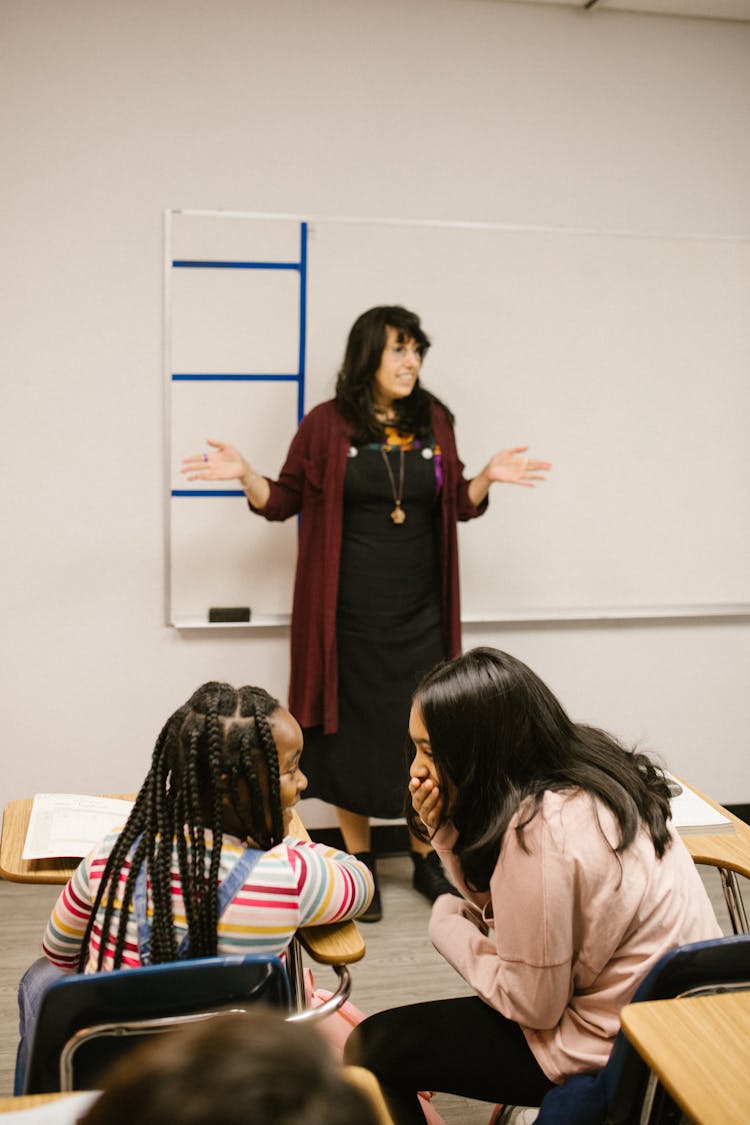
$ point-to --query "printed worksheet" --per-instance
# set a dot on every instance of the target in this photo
(70, 824)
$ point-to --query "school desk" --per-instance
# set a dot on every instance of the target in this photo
(57, 869)
(730, 853)
(699, 1049)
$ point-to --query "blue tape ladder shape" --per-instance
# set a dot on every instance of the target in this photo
(215, 377)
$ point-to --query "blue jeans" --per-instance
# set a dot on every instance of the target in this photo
(34, 983)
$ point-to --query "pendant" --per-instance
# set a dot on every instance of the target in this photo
(398, 515)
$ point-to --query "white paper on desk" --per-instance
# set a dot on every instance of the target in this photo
(70, 824)
(692, 816)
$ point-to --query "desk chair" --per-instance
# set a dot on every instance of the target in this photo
(87, 1020)
(625, 1092)
(338, 945)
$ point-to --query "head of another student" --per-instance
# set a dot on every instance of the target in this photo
(379, 377)
(491, 735)
(236, 1069)
(225, 763)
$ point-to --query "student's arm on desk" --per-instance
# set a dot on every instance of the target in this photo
(339, 943)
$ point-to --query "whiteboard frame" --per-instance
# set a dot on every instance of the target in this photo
(562, 615)
(516, 617)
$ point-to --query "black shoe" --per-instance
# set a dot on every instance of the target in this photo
(429, 877)
(374, 911)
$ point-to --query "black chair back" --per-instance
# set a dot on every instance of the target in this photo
(617, 1093)
(87, 1021)
(719, 965)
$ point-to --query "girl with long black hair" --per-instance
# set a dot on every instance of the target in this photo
(574, 885)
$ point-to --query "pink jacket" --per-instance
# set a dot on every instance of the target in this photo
(568, 930)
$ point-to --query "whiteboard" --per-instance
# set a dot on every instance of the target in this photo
(623, 359)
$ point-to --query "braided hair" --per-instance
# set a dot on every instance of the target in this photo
(216, 744)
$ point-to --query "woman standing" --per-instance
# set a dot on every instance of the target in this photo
(376, 477)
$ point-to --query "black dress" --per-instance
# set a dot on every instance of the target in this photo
(389, 632)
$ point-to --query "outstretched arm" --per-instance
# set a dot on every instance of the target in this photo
(224, 462)
(510, 466)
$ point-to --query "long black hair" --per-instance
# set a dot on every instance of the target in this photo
(364, 351)
(215, 743)
(498, 736)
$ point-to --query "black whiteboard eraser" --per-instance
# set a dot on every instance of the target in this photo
(219, 614)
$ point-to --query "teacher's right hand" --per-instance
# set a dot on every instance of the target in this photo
(223, 462)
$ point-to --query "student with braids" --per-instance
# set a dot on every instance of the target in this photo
(203, 865)
(575, 884)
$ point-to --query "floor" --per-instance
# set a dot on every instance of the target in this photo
(400, 966)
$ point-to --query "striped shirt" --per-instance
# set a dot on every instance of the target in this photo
(296, 883)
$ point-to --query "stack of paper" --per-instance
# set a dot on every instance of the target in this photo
(69, 824)
(692, 816)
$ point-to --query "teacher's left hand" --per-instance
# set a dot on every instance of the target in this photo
(511, 467)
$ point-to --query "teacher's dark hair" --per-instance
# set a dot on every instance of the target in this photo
(364, 351)
(500, 736)
(217, 747)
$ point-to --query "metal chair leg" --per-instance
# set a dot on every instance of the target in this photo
(733, 898)
(295, 972)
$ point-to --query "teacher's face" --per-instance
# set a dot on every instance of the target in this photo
(399, 368)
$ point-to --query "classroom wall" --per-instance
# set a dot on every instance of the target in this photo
(417, 109)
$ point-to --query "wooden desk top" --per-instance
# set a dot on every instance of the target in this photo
(699, 1048)
(16, 817)
(33, 1101)
(723, 849)
(337, 944)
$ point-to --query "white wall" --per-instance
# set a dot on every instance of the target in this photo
(439, 109)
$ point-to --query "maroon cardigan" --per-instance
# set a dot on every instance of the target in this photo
(312, 482)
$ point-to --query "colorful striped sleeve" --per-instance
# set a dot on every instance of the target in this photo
(63, 937)
(332, 885)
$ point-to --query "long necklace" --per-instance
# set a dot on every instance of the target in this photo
(398, 515)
